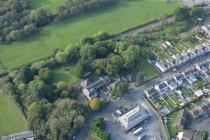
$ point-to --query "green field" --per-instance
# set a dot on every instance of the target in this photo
(126, 14)
(11, 118)
(65, 74)
(50, 4)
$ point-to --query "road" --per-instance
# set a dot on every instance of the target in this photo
(201, 125)
(143, 28)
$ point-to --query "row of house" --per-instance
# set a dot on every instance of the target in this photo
(179, 59)
(182, 79)
(171, 84)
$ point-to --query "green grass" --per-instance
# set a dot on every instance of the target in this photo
(171, 119)
(64, 74)
(50, 4)
(148, 70)
(114, 19)
(11, 118)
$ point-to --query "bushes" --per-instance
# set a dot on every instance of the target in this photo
(72, 8)
(119, 90)
(98, 127)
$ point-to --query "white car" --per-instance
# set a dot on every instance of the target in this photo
(141, 136)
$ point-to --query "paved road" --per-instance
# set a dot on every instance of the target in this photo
(150, 26)
(201, 125)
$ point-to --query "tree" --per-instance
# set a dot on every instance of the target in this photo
(40, 16)
(120, 89)
(98, 127)
(66, 118)
(44, 74)
(37, 89)
(130, 56)
(87, 53)
(95, 104)
(61, 85)
(182, 13)
(37, 116)
(197, 12)
(72, 53)
(61, 57)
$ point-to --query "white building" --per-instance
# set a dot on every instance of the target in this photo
(133, 117)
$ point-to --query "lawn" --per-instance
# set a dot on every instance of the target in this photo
(50, 4)
(148, 70)
(171, 119)
(114, 19)
(65, 74)
(11, 118)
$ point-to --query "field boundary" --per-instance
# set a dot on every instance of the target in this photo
(139, 27)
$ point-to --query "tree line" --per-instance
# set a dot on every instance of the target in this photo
(18, 20)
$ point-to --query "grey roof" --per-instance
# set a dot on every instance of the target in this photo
(152, 91)
(19, 136)
(133, 117)
(180, 77)
(163, 85)
(172, 82)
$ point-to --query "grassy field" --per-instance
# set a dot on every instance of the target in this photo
(11, 118)
(64, 74)
(171, 119)
(148, 70)
(126, 14)
(50, 4)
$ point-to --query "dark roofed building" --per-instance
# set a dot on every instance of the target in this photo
(172, 84)
(91, 90)
(152, 94)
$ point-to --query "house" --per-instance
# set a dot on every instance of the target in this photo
(168, 44)
(180, 119)
(92, 90)
(133, 117)
(161, 66)
(179, 78)
(26, 135)
(162, 88)
(152, 94)
(198, 93)
(172, 84)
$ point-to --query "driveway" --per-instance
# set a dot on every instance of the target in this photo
(203, 125)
